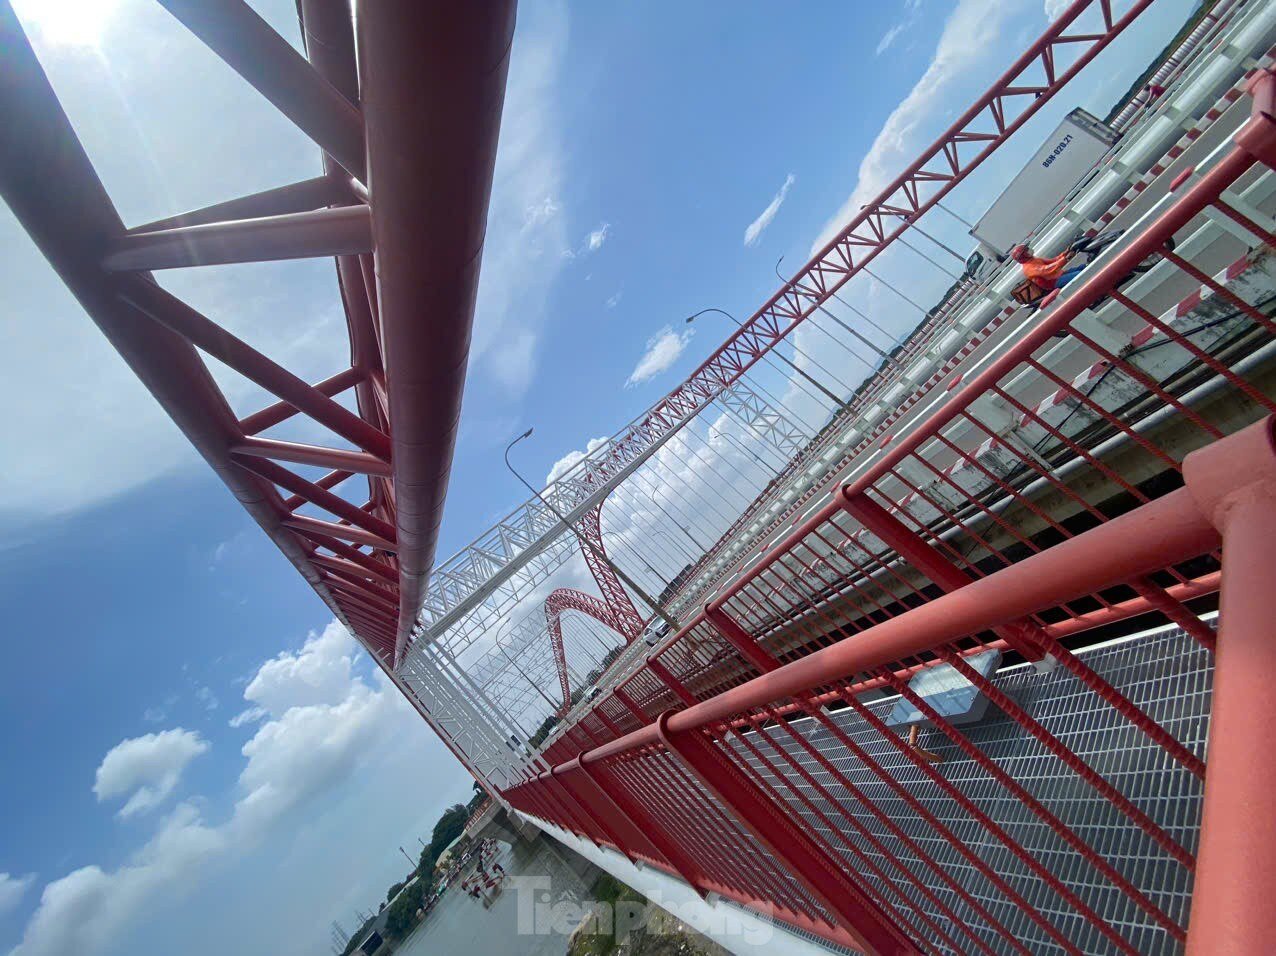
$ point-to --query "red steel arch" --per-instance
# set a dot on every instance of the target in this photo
(570, 599)
(627, 620)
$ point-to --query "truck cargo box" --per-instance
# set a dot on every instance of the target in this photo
(1067, 155)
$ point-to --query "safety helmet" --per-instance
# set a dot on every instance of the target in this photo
(1019, 253)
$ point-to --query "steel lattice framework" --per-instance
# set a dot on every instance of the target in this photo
(1111, 463)
(462, 582)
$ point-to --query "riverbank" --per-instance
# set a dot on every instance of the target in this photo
(607, 929)
(539, 873)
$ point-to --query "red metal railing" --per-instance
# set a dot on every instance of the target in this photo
(931, 330)
(1086, 476)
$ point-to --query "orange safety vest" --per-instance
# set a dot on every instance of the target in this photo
(1045, 272)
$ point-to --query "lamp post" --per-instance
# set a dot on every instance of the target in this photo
(645, 563)
(585, 542)
(783, 358)
(497, 640)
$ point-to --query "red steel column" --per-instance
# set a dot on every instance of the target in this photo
(1234, 483)
(785, 837)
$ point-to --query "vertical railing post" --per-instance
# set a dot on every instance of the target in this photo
(912, 548)
(611, 792)
(787, 839)
(582, 790)
(607, 722)
(657, 667)
(633, 708)
(1234, 483)
(763, 660)
(568, 813)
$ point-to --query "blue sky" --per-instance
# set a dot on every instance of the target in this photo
(145, 613)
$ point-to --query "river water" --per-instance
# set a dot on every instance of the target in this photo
(460, 926)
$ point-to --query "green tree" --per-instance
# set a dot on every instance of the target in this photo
(548, 724)
(402, 914)
(450, 826)
(394, 888)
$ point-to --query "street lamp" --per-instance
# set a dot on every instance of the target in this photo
(783, 358)
(497, 640)
(645, 563)
(585, 542)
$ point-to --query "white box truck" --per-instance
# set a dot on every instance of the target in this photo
(1064, 159)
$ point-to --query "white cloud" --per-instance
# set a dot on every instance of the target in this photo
(564, 464)
(755, 229)
(318, 674)
(248, 715)
(969, 33)
(525, 227)
(324, 720)
(541, 212)
(613, 300)
(305, 751)
(206, 697)
(87, 909)
(888, 38)
(1056, 7)
(159, 713)
(12, 889)
(147, 768)
(663, 350)
(594, 241)
(891, 35)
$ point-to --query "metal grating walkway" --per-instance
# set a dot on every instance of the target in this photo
(1166, 673)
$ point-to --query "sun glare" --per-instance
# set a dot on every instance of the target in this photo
(69, 22)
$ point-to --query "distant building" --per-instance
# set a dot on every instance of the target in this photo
(445, 858)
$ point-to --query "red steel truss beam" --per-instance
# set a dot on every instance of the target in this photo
(168, 310)
(235, 32)
(336, 458)
(432, 77)
(72, 225)
(625, 616)
(295, 235)
(438, 78)
(303, 196)
(282, 411)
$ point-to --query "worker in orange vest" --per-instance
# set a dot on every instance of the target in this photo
(1046, 274)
